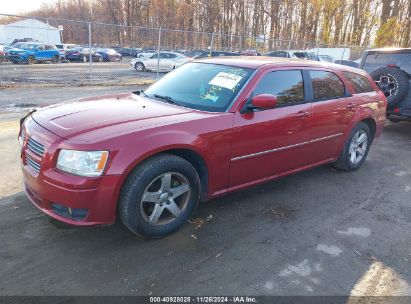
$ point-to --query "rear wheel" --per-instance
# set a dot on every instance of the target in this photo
(139, 66)
(159, 196)
(356, 148)
(55, 59)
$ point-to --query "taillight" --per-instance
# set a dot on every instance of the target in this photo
(397, 110)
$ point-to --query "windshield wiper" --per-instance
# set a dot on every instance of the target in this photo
(139, 92)
(167, 98)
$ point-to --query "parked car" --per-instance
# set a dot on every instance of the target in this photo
(146, 54)
(288, 54)
(168, 61)
(349, 63)
(127, 52)
(250, 53)
(2, 54)
(109, 54)
(33, 52)
(391, 70)
(82, 54)
(64, 47)
(323, 58)
(208, 128)
(206, 54)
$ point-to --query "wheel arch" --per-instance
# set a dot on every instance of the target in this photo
(187, 153)
(370, 122)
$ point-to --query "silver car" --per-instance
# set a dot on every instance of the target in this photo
(166, 62)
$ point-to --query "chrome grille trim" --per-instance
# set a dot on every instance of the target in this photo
(35, 146)
(33, 164)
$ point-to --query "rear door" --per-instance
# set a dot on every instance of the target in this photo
(334, 111)
(273, 141)
(41, 53)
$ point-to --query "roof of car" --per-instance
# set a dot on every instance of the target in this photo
(254, 62)
(389, 49)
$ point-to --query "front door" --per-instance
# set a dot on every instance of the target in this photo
(271, 142)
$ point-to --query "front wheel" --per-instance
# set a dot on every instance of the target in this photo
(159, 196)
(139, 66)
(356, 148)
(31, 60)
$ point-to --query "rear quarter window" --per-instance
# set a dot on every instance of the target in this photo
(360, 83)
(326, 85)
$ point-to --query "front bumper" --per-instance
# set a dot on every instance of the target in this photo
(99, 200)
(62, 195)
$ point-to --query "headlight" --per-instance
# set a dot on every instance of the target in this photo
(84, 163)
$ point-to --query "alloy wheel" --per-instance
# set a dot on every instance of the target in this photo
(358, 147)
(165, 198)
(387, 85)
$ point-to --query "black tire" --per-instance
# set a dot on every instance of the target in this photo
(393, 82)
(31, 60)
(344, 162)
(394, 120)
(132, 208)
(140, 67)
(55, 59)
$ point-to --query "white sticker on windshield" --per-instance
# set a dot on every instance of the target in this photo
(225, 80)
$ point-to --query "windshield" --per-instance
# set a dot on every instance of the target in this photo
(29, 46)
(201, 86)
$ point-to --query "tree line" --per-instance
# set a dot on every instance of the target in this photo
(331, 22)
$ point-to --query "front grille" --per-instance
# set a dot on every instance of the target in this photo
(35, 147)
(33, 164)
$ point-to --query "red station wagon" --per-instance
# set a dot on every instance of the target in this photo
(206, 129)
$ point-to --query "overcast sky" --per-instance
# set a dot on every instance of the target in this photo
(20, 6)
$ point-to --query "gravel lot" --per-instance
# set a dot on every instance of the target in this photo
(48, 74)
(320, 232)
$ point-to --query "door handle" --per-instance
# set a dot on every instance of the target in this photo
(303, 114)
(351, 106)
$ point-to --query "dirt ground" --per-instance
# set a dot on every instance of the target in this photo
(320, 232)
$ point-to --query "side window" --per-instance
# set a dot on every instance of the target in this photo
(155, 56)
(360, 83)
(40, 47)
(163, 55)
(49, 47)
(326, 85)
(171, 56)
(287, 86)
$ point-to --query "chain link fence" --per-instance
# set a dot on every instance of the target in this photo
(128, 40)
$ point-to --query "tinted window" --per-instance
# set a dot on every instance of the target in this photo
(288, 86)
(374, 61)
(171, 56)
(326, 85)
(360, 83)
(278, 54)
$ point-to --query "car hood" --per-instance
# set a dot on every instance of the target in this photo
(106, 114)
(16, 51)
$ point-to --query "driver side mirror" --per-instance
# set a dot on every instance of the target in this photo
(260, 102)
